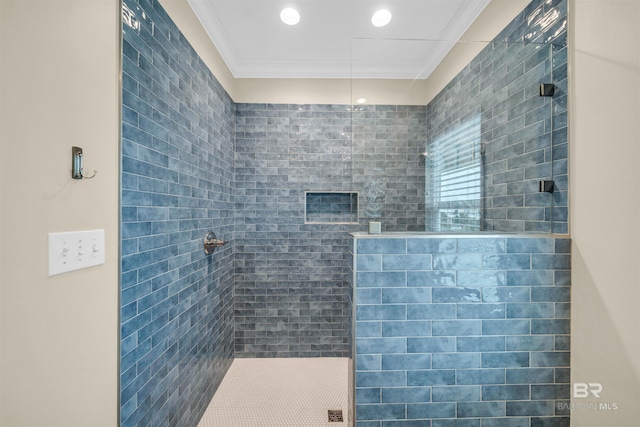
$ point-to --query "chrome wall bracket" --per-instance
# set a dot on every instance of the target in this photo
(547, 89)
(546, 186)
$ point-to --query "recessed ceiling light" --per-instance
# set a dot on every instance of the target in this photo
(290, 16)
(381, 18)
(361, 100)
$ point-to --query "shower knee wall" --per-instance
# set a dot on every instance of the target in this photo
(462, 330)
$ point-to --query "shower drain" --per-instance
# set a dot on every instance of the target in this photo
(335, 416)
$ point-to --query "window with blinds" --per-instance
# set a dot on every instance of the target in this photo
(454, 179)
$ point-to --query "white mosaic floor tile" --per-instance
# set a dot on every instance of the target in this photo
(280, 392)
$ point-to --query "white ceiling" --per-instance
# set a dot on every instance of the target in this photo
(335, 38)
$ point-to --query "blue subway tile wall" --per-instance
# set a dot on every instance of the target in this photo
(388, 170)
(177, 184)
(291, 293)
(468, 350)
(524, 136)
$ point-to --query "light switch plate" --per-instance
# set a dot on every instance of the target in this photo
(75, 250)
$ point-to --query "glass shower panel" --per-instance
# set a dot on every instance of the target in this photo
(469, 156)
(499, 92)
(454, 177)
(560, 137)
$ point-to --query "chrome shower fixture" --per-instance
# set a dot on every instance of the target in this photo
(211, 242)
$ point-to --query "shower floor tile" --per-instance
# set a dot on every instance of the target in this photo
(280, 392)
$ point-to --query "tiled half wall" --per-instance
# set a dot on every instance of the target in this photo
(462, 331)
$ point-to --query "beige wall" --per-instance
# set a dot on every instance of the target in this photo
(605, 208)
(59, 87)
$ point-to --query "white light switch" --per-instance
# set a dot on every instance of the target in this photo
(75, 250)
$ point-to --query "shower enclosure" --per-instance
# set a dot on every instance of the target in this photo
(292, 188)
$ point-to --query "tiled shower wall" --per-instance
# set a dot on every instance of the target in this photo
(524, 135)
(291, 297)
(291, 294)
(462, 331)
(388, 169)
(177, 184)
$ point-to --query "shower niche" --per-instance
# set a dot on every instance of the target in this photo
(330, 207)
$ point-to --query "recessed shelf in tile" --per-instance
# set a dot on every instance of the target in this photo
(331, 207)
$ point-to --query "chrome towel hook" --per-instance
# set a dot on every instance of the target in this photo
(76, 164)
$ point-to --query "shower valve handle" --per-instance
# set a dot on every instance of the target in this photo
(211, 242)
